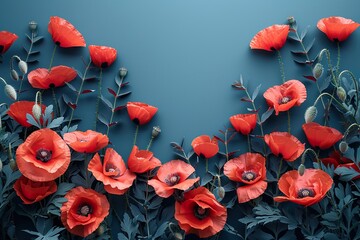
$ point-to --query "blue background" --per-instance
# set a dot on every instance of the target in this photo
(182, 57)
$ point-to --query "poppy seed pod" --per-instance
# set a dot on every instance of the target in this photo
(310, 114)
(301, 169)
(318, 70)
(36, 111)
(14, 75)
(13, 165)
(343, 146)
(221, 192)
(178, 236)
(123, 72)
(23, 66)
(33, 25)
(291, 20)
(155, 131)
(340, 92)
(10, 91)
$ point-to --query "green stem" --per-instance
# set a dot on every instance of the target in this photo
(206, 164)
(145, 206)
(114, 105)
(98, 100)
(52, 57)
(136, 133)
(281, 65)
(338, 58)
(56, 107)
(249, 143)
(327, 53)
(150, 142)
(226, 145)
(278, 176)
(329, 95)
(289, 126)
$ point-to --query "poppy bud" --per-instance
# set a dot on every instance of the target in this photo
(14, 75)
(343, 146)
(301, 169)
(340, 92)
(101, 229)
(123, 71)
(310, 114)
(291, 20)
(33, 25)
(178, 236)
(318, 70)
(10, 91)
(155, 131)
(1, 165)
(13, 164)
(23, 66)
(36, 111)
(221, 192)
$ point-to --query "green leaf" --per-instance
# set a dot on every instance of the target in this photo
(56, 122)
(31, 120)
(160, 230)
(346, 174)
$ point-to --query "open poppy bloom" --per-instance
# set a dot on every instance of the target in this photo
(205, 146)
(102, 56)
(244, 123)
(141, 161)
(173, 176)
(31, 192)
(140, 113)
(42, 78)
(44, 156)
(307, 189)
(6, 40)
(86, 142)
(270, 38)
(112, 172)
(200, 214)
(84, 211)
(321, 136)
(284, 144)
(249, 170)
(19, 109)
(285, 96)
(337, 28)
(64, 33)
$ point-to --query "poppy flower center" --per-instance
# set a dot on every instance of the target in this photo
(1, 48)
(201, 213)
(104, 65)
(249, 176)
(112, 169)
(285, 100)
(43, 155)
(172, 179)
(306, 192)
(84, 210)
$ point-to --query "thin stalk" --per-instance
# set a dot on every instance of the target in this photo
(281, 65)
(331, 97)
(52, 57)
(26, 60)
(56, 107)
(226, 145)
(145, 206)
(206, 164)
(249, 143)
(150, 142)
(114, 106)
(136, 133)
(338, 57)
(98, 99)
(289, 125)
(278, 176)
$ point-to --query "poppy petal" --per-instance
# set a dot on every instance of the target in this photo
(6, 40)
(42, 78)
(270, 38)
(102, 56)
(337, 28)
(248, 192)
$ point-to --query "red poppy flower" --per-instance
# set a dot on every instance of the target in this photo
(284, 144)
(205, 146)
(141, 161)
(140, 113)
(285, 96)
(42, 78)
(335, 159)
(112, 173)
(31, 192)
(64, 33)
(84, 211)
(307, 189)
(171, 176)
(321, 136)
(102, 56)
(248, 169)
(44, 156)
(244, 123)
(337, 28)
(18, 111)
(6, 40)
(86, 142)
(270, 38)
(200, 214)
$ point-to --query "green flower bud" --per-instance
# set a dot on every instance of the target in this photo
(291, 20)
(343, 146)
(318, 70)
(123, 72)
(10, 92)
(13, 165)
(310, 114)
(14, 75)
(33, 25)
(301, 169)
(155, 131)
(221, 192)
(178, 236)
(340, 92)
(36, 111)
(23, 66)
(1, 165)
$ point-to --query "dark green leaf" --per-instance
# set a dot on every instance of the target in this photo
(308, 48)
(266, 115)
(31, 120)
(160, 230)
(255, 93)
(71, 87)
(55, 123)
(106, 102)
(304, 32)
(346, 174)
(124, 94)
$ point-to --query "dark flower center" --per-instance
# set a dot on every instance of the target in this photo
(285, 100)
(43, 155)
(249, 176)
(201, 213)
(52, 85)
(57, 43)
(85, 210)
(1, 48)
(172, 179)
(306, 192)
(104, 65)
(112, 169)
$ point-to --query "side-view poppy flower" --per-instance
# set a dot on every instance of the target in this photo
(6, 40)
(19, 109)
(205, 146)
(112, 173)
(270, 38)
(308, 189)
(86, 142)
(31, 192)
(244, 123)
(64, 33)
(102, 56)
(141, 161)
(200, 214)
(285, 96)
(44, 156)
(140, 113)
(335, 159)
(249, 170)
(173, 176)
(42, 78)
(321, 136)
(84, 211)
(337, 28)
(284, 144)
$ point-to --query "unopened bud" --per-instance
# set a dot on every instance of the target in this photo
(101, 229)
(1, 165)
(301, 169)
(318, 70)
(178, 236)
(343, 146)
(123, 72)
(291, 20)
(23, 66)
(340, 92)
(221, 192)
(36, 111)
(33, 25)
(13, 165)
(310, 114)
(155, 131)
(10, 92)
(14, 75)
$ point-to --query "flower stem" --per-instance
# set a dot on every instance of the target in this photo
(150, 142)
(289, 125)
(281, 65)
(98, 100)
(206, 164)
(249, 143)
(114, 105)
(52, 57)
(56, 107)
(338, 57)
(278, 176)
(331, 96)
(136, 133)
